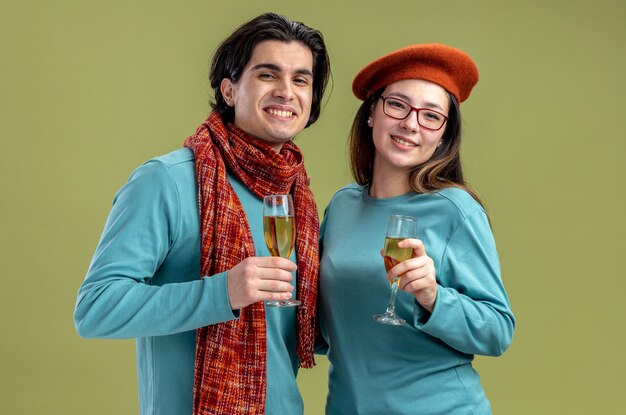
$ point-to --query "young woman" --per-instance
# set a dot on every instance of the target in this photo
(404, 146)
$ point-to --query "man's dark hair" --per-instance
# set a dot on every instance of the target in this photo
(234, 52)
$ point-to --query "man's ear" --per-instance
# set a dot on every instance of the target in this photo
(226, 87)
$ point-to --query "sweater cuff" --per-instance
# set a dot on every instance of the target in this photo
(422, 318)
(216, 288)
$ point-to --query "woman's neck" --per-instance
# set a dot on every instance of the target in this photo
(391, 184)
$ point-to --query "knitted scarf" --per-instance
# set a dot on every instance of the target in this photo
(230, 368)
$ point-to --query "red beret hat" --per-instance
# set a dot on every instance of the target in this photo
(443, 65)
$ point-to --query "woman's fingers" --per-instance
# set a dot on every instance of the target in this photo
(416, 244)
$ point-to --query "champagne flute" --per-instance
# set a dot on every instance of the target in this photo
(279, 229)
(399, 228)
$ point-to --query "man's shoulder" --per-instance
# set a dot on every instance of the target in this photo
(177, 163)
(177, 166)
(176, 157)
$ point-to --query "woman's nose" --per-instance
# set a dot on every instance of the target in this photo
(410, 123)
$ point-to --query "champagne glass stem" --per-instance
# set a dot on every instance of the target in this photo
(391, 306)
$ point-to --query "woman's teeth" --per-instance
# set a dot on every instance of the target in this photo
(403, 142)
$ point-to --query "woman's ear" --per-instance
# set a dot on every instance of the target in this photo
(370, 119)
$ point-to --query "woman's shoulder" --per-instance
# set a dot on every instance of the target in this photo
(349, 191)
(352, 188)
(459, 200)
(347, 196)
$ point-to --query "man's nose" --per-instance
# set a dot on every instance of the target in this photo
(284, 90)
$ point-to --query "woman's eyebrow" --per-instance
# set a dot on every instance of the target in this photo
(426, 104)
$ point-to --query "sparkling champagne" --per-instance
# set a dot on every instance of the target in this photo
(280, 233)
(394, 254)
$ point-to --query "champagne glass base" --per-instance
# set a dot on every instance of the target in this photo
(284, 303)
(387, 319)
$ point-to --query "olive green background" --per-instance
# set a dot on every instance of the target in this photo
(89, 90)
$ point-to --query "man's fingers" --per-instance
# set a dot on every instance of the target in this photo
(260, 279)
(274, 286)
(274, 274)
(275, 262)
(275, 296)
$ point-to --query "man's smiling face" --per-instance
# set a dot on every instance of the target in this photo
(272, 99)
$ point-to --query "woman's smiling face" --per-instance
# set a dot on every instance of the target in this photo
(403, 144)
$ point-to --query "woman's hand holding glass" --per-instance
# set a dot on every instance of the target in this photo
(417, 275)
(399, 228)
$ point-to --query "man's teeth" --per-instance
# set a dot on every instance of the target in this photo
(403, 142)
(278, 113)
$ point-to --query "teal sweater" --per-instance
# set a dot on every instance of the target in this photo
(423, 367)
(144, 282)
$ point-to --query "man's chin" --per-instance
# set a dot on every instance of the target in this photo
(275, 141)
(280, 137)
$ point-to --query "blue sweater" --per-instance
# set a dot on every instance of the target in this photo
(144, 282)
(423, 367)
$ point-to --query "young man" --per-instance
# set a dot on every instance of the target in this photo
(182, 265)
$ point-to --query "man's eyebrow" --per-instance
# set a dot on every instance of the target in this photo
(270, 66)
(304, 71)
(274, 67)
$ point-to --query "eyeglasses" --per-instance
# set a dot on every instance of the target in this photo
(426, 117)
